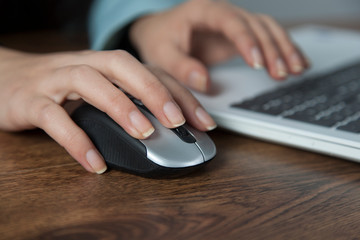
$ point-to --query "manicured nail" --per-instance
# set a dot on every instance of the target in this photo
(197, 81)
(296, 65)
(173, 114)
(281, 69)
(141, 124)
(257, 58)
(205, 118)
(96, 161)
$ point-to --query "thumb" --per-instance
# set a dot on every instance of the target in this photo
(186, 69)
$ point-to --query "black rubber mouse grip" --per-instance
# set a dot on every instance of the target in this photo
(119, 149)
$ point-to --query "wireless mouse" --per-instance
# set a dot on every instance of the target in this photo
(166, 153)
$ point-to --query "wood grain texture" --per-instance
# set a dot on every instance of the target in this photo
(251, 190)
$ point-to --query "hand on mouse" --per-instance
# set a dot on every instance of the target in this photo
(34, 88)
(197, 33)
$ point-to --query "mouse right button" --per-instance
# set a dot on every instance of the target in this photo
(204, 143)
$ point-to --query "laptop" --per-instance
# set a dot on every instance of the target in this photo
(317, 111)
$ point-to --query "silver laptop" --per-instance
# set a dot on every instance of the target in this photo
(318, 111)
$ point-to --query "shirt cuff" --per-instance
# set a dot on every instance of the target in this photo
(108, 19)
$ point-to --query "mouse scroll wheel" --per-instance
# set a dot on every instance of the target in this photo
(184, 134)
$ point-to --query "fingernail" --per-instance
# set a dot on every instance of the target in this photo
(281, 69)
(296, 65)
(96, 161)
(173, 114)
(205, 118)
(257, 58)
(197, 81)
(141, 123)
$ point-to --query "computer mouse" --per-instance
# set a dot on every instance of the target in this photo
(166, 153)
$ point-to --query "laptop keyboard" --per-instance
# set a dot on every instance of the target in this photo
(331, 100)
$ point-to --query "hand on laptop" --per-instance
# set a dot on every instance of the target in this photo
(34, 87)
(197, 33)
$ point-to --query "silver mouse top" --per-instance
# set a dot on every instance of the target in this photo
(167, 149)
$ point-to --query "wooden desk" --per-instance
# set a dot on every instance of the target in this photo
(251, 190)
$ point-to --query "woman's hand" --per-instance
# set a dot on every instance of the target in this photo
(197, 33)
(34, 88)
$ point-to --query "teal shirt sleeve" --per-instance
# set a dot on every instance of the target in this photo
(108, 18)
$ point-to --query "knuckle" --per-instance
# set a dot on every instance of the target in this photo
(231, 20)
(79, 72)
(183, 93)
(238, 30)
(255, 22)
(118, 56)
(244, 35)
(71, 139)
(154, 85)
(162, 93)
(265, 17)
(117, 105)
(44, 114)
(113, 100)
(267, 43)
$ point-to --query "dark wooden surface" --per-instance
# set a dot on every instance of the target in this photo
(251, 190)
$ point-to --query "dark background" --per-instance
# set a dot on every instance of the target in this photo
(29, 15)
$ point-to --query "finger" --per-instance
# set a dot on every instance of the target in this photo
(220, 47)
(56, 122)
(129, 74)
(195, 114)
(273, 57)
(222, 18)
(185, 68)
(95, 89)
(295, 60)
